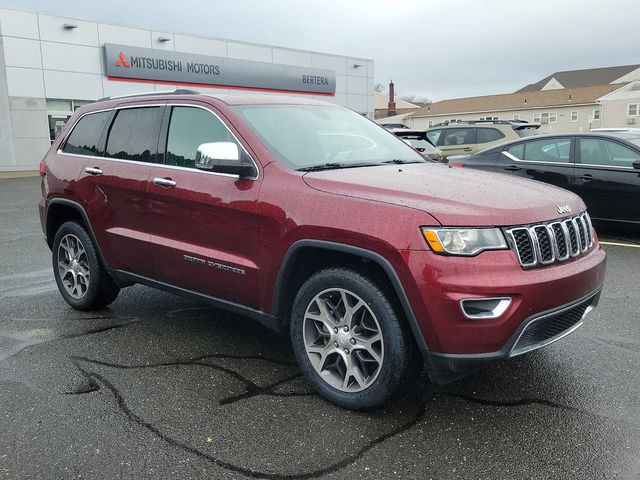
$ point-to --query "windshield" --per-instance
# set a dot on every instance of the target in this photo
(303, 136)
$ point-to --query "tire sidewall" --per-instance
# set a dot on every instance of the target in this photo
(92, 258)
(395, 356)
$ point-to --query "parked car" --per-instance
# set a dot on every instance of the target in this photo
(467, 138)
(419, 141)
(603, 168)
(312, 220)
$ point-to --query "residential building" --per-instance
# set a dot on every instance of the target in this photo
(572, 101)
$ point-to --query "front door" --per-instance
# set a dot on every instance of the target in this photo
(204, 233)
(547, 160)
(607, 181)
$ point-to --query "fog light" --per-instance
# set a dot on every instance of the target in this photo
(481, 308)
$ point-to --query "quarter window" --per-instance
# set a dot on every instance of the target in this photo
(134, 134)
(434, 135)
(517, 150)
(189, 128)
(595, 151)
(486, 135)
(555, 150)
(86, 134)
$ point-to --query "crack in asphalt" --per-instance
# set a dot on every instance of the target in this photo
(92, 378)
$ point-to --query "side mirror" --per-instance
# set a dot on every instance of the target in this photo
(636, 164)
(222, 157)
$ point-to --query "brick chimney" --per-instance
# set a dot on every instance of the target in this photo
(392, 100)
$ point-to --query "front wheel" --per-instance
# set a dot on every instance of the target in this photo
(82, 279)
(350, 341)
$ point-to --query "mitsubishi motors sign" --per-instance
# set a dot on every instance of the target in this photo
(136, 63)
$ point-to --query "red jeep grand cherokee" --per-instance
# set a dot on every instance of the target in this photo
(315, 221)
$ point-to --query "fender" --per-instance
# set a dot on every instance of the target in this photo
(369, 255)
(80, 209)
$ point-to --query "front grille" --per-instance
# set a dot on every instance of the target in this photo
(547, 243)
(544, 330)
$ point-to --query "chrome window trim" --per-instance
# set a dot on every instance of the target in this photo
(163, 165)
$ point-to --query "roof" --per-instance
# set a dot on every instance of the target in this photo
(381, 102)
(583, 78)
(518, 100)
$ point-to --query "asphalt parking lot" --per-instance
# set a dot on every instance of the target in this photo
(158, 386)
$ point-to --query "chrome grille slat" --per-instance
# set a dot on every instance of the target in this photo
(551, 242)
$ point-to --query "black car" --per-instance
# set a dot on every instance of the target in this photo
(603, 168)
(419, 141)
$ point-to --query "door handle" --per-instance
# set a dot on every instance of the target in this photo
(587, 177)
(512, 168)
(164, 182)
(93, 170)
(468, 149)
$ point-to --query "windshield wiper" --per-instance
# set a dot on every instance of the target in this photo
(333, 166)
(399, 162)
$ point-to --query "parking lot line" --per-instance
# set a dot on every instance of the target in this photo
(618, 244)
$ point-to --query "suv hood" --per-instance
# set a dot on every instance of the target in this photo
(453, 196)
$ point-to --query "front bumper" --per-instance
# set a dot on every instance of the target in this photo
(536, 332)
(456, 343)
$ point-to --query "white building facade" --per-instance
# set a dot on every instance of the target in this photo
(50, 65)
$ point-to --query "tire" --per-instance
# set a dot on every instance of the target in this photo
(360, 367)
(81, 278)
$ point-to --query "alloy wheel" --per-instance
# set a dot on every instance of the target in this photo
(73, 266)
(343, 340)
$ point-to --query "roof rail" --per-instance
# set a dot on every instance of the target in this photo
(177, 91)
(474, 122)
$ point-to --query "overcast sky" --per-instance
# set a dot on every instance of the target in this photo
(433, 48)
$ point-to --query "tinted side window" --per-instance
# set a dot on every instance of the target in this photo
(134, 134)
(86, 134)
(594, 151)
(459, 136)
(517, 150)
(434, 135)
(189, 128)
(486, 135)
(548, 150)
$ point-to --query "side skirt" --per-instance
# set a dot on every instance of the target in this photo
(125, 278)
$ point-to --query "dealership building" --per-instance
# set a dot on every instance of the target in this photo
(50, 66)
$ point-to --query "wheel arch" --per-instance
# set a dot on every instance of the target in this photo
(61, 210)
(296, 267)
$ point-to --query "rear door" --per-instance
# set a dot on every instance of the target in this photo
(113, 187)
(547, 160)
(606, 179)
(458, 141)
(204, 235)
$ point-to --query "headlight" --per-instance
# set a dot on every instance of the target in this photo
(464, 241)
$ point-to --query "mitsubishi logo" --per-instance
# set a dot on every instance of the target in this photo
(121, 61)
(563, 209)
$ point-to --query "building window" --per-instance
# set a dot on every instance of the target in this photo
(430, 124)
(488, 118)
(574, 116)
(553, 117)
(596, 115)
(516, 117)
(58, 112)
(545, 117)
(537, 118)
(633, 109)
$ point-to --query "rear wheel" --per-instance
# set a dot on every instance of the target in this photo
(350, 341)
(81, 278)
